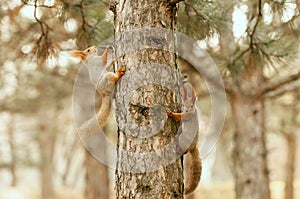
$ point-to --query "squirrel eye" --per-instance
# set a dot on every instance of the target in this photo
(88, 50)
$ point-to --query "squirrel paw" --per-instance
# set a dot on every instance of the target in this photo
(175, 116)
(170, 114)
(121, 71)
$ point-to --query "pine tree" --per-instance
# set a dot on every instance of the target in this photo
(143, 170)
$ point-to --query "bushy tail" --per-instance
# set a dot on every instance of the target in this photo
(91, 127)
(193, 171)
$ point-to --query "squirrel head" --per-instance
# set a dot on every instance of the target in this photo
(85, 54)
(188, 93)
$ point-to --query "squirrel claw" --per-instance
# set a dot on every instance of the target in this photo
(170, 113)
(121, 71)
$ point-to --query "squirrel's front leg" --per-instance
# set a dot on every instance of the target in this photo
(175, 116)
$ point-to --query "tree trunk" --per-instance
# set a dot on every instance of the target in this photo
(290, 168)
(250, 154)
(96, 175)
(11, 131)
(46, 144)
(146, 167)
(69, 163)
(250, 151)
(96, 179)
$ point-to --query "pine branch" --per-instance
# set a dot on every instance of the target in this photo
(240, 55)
(188, 5)
(275, 86)
(174, 2)
(283, 90)
(259, 17)
(252, 43)
(271, 55)
(40, 6)
(42, 24)
(82, 16)
(5, 165)
(44, 47)
(108, 2)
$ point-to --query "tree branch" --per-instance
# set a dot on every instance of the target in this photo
(240, 56)
(259, 17)
(82, 16)
(5, 165)
(40, 6)
(108, 2)
(42, 24)
(252, 43)
(173, 2)
(275, 86)
(188, 5)
(44, 47)
(282, 91)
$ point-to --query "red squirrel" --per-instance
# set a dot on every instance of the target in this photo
(187, 140)
(104, 82)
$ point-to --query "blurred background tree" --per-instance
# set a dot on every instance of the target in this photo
(37, 83)
(254, 44)
(254, 48)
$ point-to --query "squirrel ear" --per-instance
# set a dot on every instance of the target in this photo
(78, 54)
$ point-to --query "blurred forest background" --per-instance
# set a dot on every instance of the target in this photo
(40, 153)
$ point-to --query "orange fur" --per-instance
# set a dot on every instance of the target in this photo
(189, 118)
(83, 55)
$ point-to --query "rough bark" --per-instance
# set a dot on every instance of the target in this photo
(250, 154)
(142, 171)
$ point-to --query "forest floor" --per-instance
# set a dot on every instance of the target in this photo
(214, 191)
(226, 190)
